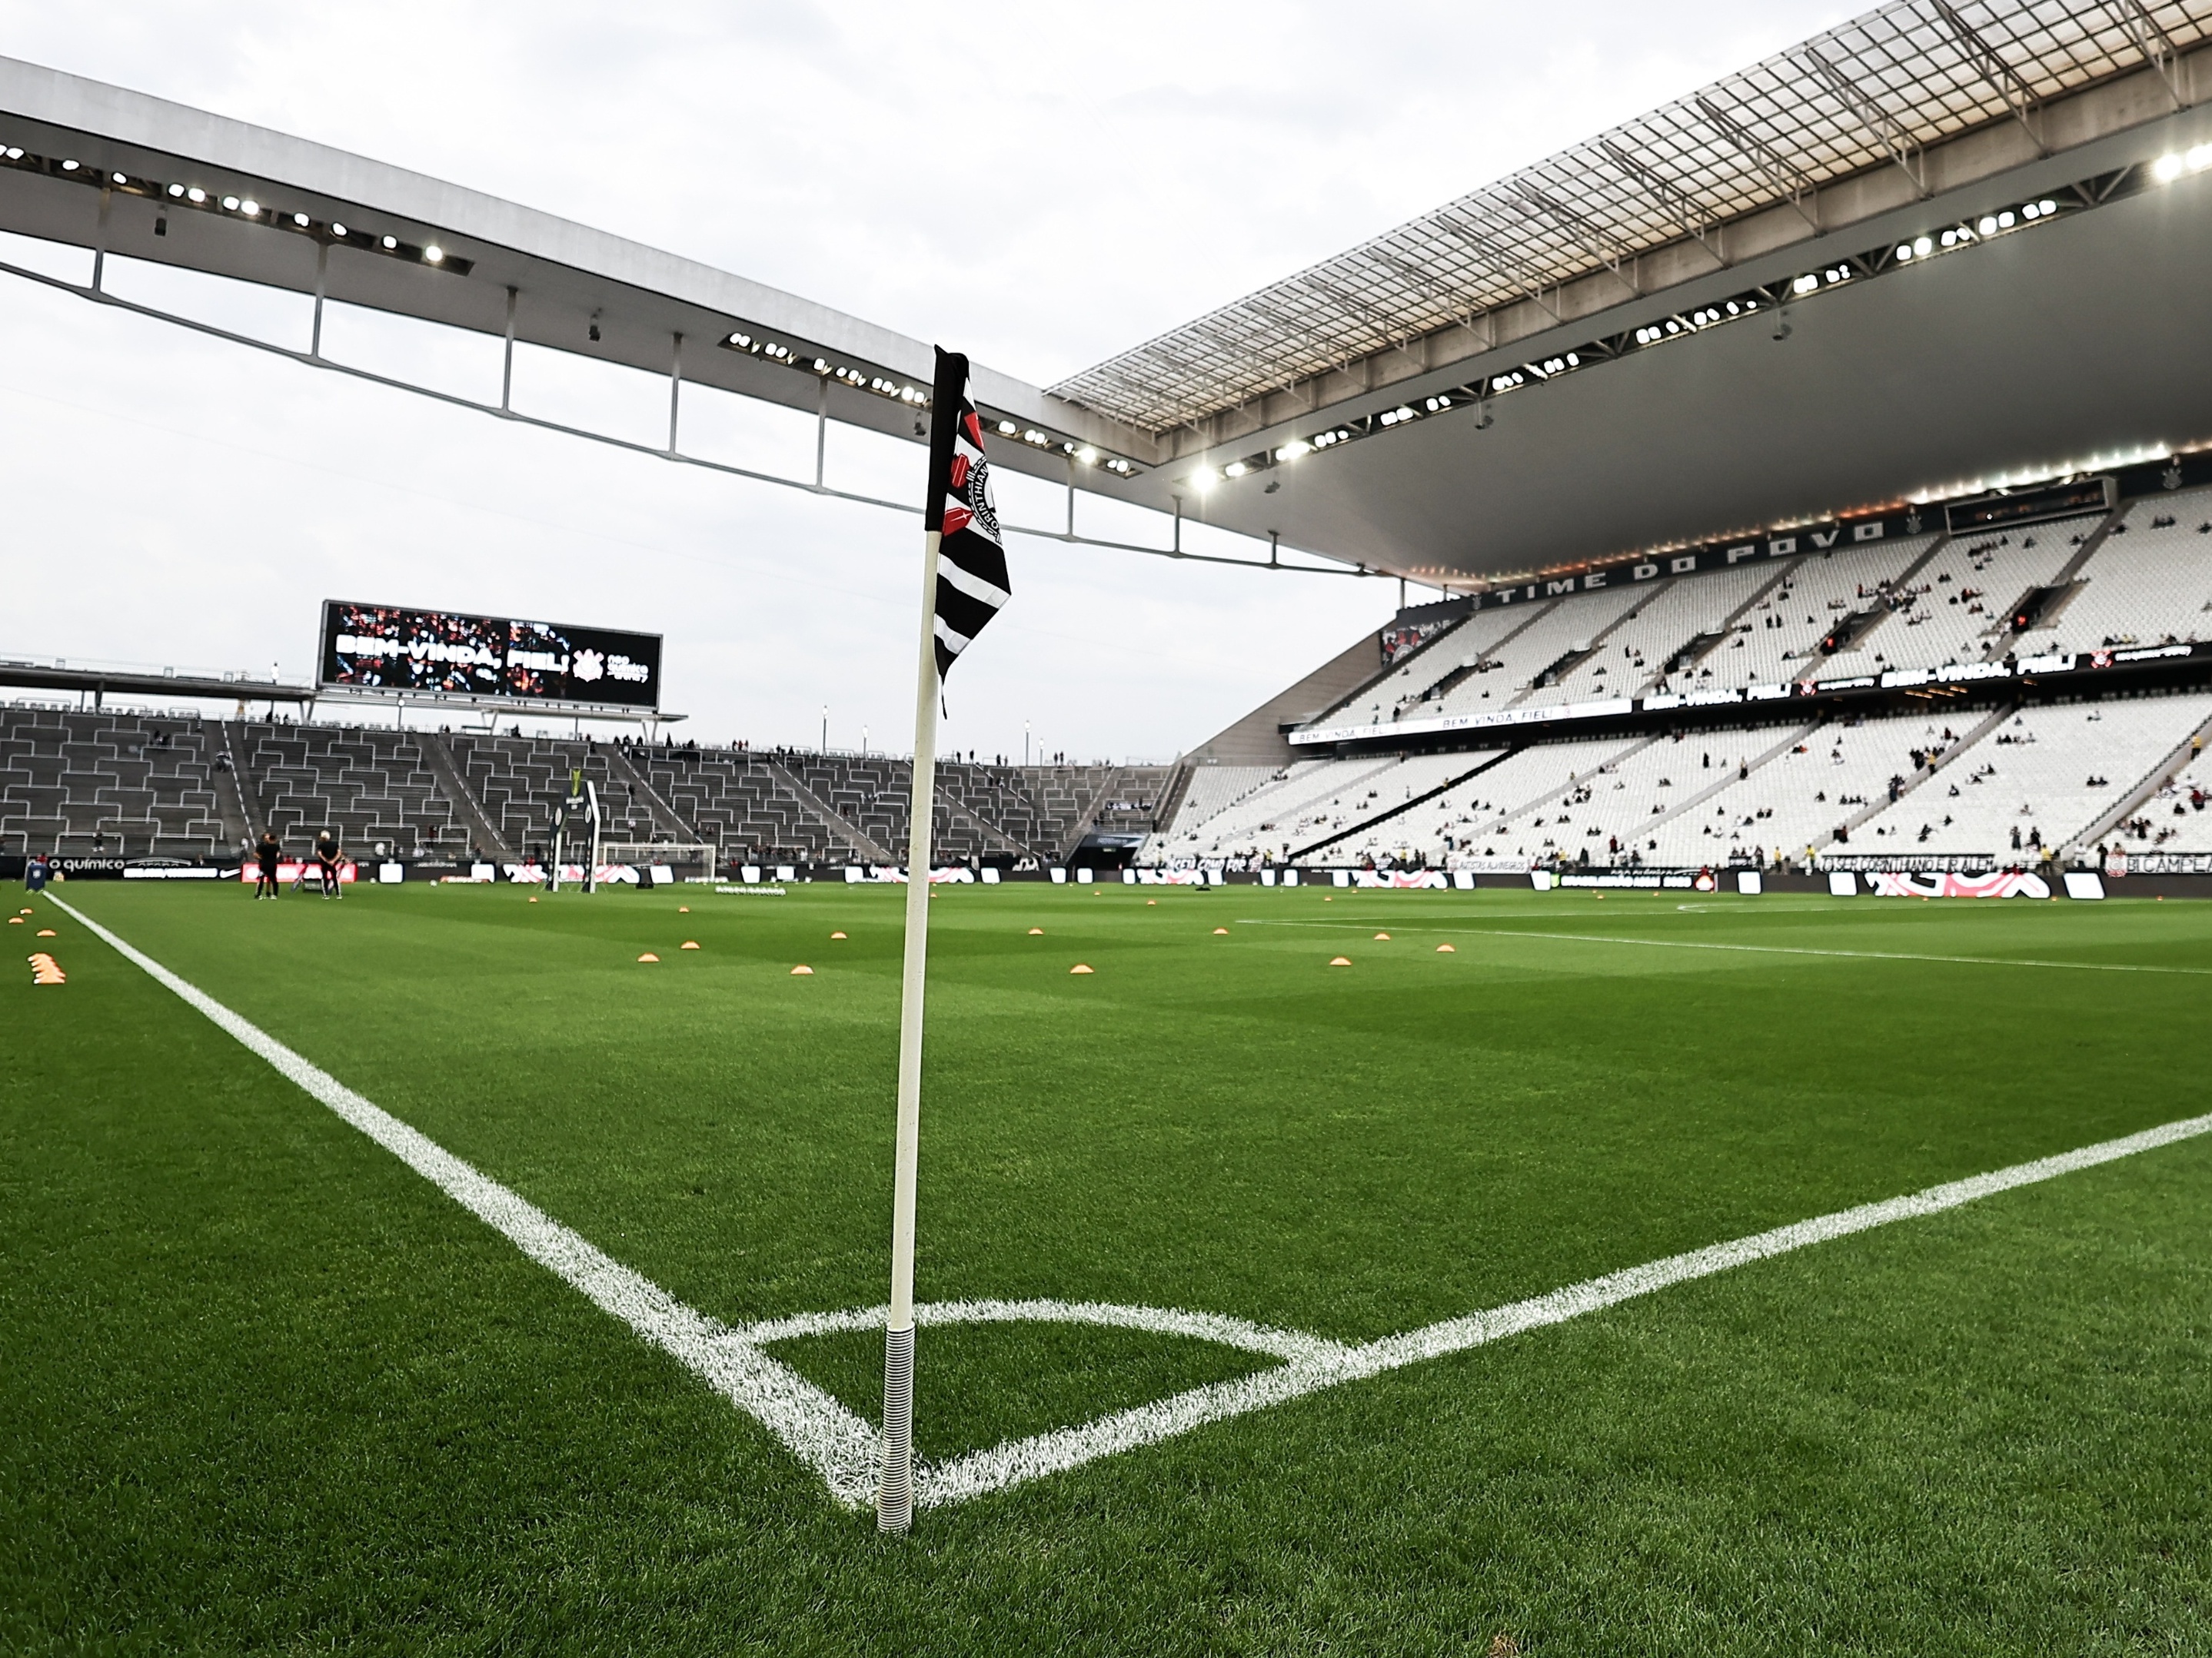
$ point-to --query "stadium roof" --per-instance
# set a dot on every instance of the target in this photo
(1742, 309)
(1877, 92)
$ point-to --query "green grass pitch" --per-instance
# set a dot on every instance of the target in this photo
(263, 1387)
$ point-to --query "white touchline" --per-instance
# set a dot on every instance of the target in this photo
(841, 1448)
(1756, 949)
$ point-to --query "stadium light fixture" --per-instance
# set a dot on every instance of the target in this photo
(69, 166)
(2167, 168)
(230, 203)
(299, 220)
(1235, 469)
(250, 208)
(338, 231)
(196, 197)
(2199, 158)
(1294, 449)
(391, 242)
(1204, 479)
(119, 177)
(433, 254)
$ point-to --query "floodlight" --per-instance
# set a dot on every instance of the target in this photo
(338, 230)
(1988, 226)
(2048, 206)
(1235, 469)
(1088, 457)
(196, 195)
(1292, 450)
(1804, 284)
(69, 166)
(1006, 428)
(2005, 220)
(250, 208)
(2166, 169)
(15, 152)
(433, 254)
(2199, 158)
(1922, 245)
(300, 219)
(118, 178)
(1204, 479)
(391, 241)
(230, 203)
(1903, 251)
(176, 189)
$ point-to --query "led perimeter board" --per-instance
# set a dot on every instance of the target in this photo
(396, 651)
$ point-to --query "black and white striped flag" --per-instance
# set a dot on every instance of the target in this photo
(971, 562)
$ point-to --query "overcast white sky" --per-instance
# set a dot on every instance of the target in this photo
(1107, 173)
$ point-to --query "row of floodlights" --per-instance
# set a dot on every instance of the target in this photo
(248, 208)
(1696, 321)
(915, 396)
(243, 207)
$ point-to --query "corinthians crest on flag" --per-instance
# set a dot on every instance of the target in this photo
(971, 566)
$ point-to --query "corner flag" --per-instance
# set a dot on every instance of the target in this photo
(964, 584)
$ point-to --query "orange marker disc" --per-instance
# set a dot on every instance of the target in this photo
(1221, 932)
(1447, 950)
(802, 971)
(690, 944)
(1341, 961)
(1078, 967)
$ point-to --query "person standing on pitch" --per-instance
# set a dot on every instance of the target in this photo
(266, 853)
(326, 862)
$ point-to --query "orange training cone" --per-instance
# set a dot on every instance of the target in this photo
(1381, 935)
(1447, 950)
(1221, 932)
(802, 971)
(648, 956)
(1037, 932)
(1341, 961)
(836, 935)
(45, 933)
(1078, 967)
(690, 944)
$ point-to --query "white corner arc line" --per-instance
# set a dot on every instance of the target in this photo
(841, 1448)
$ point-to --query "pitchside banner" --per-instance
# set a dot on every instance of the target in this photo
(387, 647)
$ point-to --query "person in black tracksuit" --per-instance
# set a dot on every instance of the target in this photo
(326, 862)
(267, 853)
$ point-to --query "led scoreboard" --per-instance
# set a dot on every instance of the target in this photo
(407, 653)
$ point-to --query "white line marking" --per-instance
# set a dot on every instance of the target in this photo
(1759, 950)
(841, 1448)
(817, 1430)
(1294, 1345)
(1012, 1464)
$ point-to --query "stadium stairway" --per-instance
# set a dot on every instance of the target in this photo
(1683, 807)
(1683, 658)
(482, 832)
(1556, 672)
(665, 817)
(1404, 806)
(1867, 814)
(2062, 578)
(838, 826)
(2147, 786)
(253, 809)
(1882, 612)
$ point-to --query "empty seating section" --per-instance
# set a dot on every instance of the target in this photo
(1416, 685)
(1958, 607)
(1569, 624)
(1394, 787)
(1778, 638)
(1798, 800)
(122, 784)
(371, 787)
(2179, 817)
(1479, 815)
(1616, 803)
(1213, 790)
(1667, 621)
(1285, 815)
(2046, 775)
(2147, 583)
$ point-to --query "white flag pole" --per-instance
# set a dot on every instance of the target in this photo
(894, 1484)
